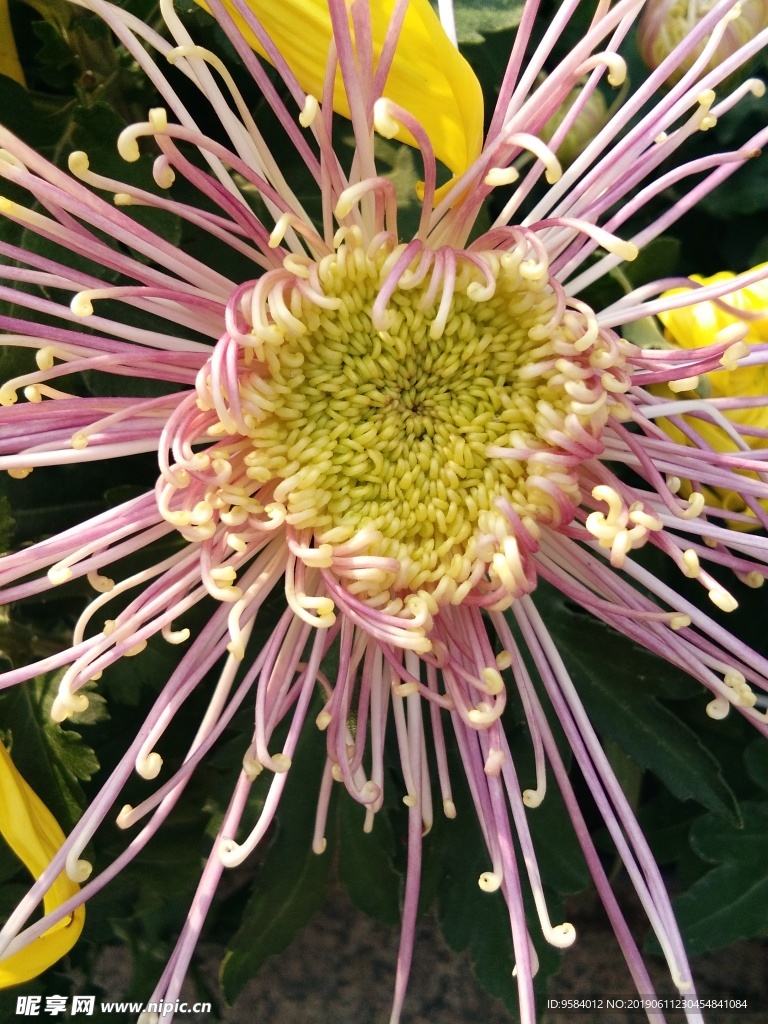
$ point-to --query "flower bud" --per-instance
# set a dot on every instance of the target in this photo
(589, 121)
(666, 23)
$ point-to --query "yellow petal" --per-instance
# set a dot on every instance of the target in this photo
(719, 441)
(34, 835)
(695, 326)
(428, 76)
(9, 58)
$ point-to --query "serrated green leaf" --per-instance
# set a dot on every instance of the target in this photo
(731, 901)
(657, 739)
(471, 919)
(53, 759)
(291, 885)
(623, 706)
(715, 841)
(95, 712)
(476, 19)
(57, 12)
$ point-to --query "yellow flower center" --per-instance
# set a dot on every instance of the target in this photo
(420, 423)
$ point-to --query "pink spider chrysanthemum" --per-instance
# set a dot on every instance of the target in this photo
(402, 434)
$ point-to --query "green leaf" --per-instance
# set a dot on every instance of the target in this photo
(402, 166)
(470, 918)
(628, 772)
(290, 887)
(95, 129)
(622, 703)
(126, 679)
(366, 864)
(756, 762)
(41, 507)
(53, 759)
(644, 333)
(657, 739)
(477, 921)
(558, 853)
(729, 902)
(55, 61)
(658, 258)
(747, 196)
(7, 524)
(666, 823)
(476, 19)
(21, 118)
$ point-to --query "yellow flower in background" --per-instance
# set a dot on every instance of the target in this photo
(696, 327)
(429, 78)
(9, 58)
(34, 835)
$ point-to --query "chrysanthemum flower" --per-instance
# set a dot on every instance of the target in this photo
(738, 393)
(665, 23)
(403, 435)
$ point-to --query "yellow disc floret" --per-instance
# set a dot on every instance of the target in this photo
(436, 427)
